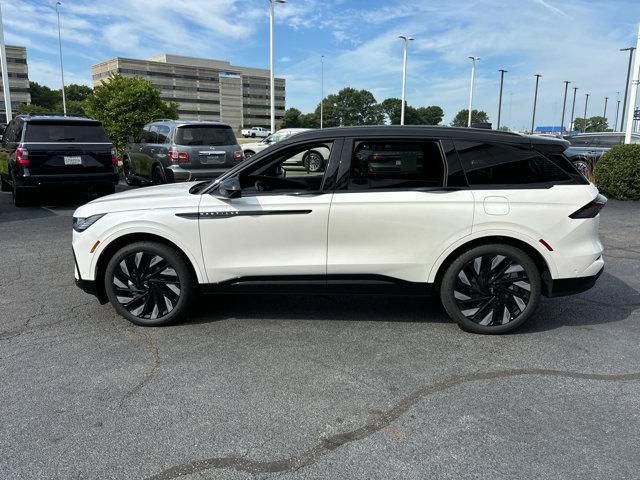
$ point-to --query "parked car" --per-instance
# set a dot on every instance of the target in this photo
(49, 151)
(313, 160)
(490, 220)
(168, 151)
(3, 126)
(587, 148)
(255, 132)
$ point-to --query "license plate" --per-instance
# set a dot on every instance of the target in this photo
(212, 158)
(73, 160)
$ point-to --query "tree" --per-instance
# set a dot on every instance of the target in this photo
(431, 115)
(125, 104)
(592, 124)
(31, 109)
(351, 107)
(412, 116)
(291, 118)
(44, 97)
(460, 120)
(75, 92)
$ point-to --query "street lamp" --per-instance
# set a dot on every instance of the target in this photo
(473, 78)
(271, 66)
(615, 125)
(405, 39)
(626, 85)
(634, 92)
(606, 100)
(535, 102)
(502, 72)
(321, 88)
(573, 110)
(564, 104)
(584, 118)
(64, 98)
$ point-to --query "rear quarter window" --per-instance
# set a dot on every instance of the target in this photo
(500, 165)
(205, 135)
(81, 132)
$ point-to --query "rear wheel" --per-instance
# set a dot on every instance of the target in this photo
(4, 185)
(157, 177)
(149, 284)
(106, 189)
(491, 289)
(21, 197)
(313, 162)
(249, 153)
(584, 167)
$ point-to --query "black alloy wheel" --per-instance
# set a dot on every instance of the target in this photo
(149, 284)
(491, 289)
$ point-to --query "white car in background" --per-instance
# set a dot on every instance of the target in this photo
(255, 132)
(313, 160)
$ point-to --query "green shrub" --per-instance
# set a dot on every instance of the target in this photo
(617, 172)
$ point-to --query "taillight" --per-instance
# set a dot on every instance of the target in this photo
(178, 157)
(114, 156)
(22, 157)
(238, 155)
(591, 209)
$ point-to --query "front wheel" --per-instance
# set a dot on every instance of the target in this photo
(491, 289)
(149, 284)
(128, 174)
(313, 162)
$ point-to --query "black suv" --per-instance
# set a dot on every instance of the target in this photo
(587, 148)
(168, 151)
(45, 151)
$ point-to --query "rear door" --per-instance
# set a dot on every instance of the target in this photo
(401, 203)
(67, 147)
(208, 145)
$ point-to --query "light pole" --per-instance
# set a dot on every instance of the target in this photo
(473, 79)
(615, 125)
(271, 63)
(634, 92)
(626, 85)
(5, 74)
(573, 110)
(64, 97)
(502, 72)
(606, 99)
(584, 118)
(535, 102)
(321, 88)
(405, 39)
(564, 104)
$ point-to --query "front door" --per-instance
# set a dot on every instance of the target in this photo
(277, 229)
(397, 209)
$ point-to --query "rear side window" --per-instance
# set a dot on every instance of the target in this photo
(608, 141)
(501, 165)
(205, 135)
(81, 132)
(396, 164)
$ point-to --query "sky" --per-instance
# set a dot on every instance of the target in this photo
(574, 40)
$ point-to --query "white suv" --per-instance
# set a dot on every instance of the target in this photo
(491, 220)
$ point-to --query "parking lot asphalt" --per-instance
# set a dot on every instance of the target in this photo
(306, 387)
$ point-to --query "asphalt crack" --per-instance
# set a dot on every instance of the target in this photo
(152, 346)
(384, 419)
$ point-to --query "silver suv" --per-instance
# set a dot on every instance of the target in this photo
(168, 151)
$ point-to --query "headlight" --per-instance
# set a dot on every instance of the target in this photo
(81, 224)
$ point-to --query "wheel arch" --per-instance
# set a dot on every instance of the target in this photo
(538, 258)
(127, 239)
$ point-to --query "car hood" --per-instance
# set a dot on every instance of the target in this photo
(172, 195)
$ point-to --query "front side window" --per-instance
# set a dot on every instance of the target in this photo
(55, 131)
(580, 141)
(396, 164)
(297, 169)
(503, 165)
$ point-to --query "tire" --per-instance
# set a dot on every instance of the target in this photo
(107, 189)
(249, 153)
(313, 162)
(483, 296)
(128, 175)
(253, 135)
(145, 292)
(584, 167)
(4, 185)
(21, 197)
(157, 177)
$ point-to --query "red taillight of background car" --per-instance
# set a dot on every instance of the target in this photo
(178, 157)
(238, 155)
(591, 209)
(22, 157)
(114, 156)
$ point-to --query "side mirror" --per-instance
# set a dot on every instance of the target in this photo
(230, 188)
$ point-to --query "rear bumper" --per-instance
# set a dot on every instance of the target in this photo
(179, 174)
(570, 286)
(75, 179)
